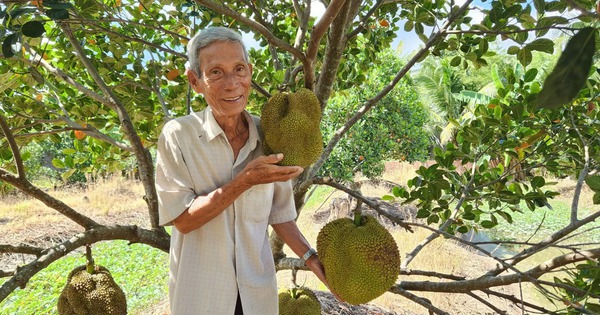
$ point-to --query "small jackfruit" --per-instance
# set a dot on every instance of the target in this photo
(298, 301)
(361, 261)
(291, 125)
(91, 293)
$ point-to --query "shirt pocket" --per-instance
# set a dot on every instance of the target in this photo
(258, 203)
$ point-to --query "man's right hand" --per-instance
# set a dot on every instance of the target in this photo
(264, 169)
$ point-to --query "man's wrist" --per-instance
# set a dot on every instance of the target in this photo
(311, 252)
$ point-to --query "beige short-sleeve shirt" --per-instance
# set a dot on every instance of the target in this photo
(231, 252)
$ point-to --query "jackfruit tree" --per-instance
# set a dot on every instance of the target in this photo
(107, 68)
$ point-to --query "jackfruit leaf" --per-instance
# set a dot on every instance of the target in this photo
(68, 174)
(487, 224)
(593, 181)
(596, 198)
(69, 151)
(58, 14)
(542, 44)
(387, 198)
(6, 45)
(33, 29)
(571, 71)
(537, 182)
(58, 163)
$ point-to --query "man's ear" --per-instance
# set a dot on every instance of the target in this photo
(193, 80)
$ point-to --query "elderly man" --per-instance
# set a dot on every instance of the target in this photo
(220, 192)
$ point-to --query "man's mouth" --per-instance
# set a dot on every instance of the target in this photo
(232, 99)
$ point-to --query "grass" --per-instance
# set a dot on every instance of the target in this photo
(138, 269)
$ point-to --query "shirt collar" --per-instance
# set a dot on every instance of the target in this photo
(213, 129)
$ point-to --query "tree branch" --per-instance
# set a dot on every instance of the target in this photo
(319, 30)
(486, 282)
(132, 233)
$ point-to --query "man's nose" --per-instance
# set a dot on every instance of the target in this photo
(231, 80)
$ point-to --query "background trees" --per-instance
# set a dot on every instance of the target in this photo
(108, 74)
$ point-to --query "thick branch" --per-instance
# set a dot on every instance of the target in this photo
(486, 282)
(132, 233)
(319, 30)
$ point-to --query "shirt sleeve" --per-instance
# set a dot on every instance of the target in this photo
(173, 180)
(283, 209)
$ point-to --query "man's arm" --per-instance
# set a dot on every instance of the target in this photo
(259, 171)
(291, 235)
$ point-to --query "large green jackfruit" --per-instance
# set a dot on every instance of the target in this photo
(291, 125)
(91, 294)
(361, 261)
(298, 301)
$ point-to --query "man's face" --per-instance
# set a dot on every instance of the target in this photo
(226, 78)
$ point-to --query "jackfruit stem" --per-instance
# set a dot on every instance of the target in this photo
(357, 216)
(90, 266)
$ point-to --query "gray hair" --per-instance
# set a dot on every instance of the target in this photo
(206, 37)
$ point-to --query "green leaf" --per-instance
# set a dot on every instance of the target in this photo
(596, 198)
(423, 214)
(387, 197)
(58, 14)
(542, 44)
(594, 182)
(487, 224)
(68, 174)
(6, 45)
(571, 71)
(58, 163)
(69, 151)
(537, 182)
(33, 29)
(530, 75)
(513, 50)
(524, 56)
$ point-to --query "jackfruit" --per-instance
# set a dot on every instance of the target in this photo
(94, 293)
(361, 261)
(291, 125)
(298, 301)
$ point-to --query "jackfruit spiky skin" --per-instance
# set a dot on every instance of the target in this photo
(302, 302)
(291, 125)
(91, 294)
(361, 262)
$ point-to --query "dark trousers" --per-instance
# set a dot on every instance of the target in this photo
(238, 306)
